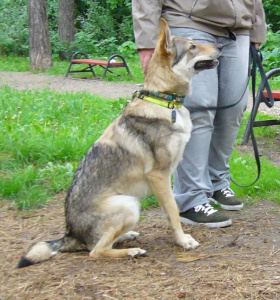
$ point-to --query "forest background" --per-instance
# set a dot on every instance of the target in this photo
(100, 28)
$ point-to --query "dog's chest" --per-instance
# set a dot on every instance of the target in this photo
(178, 141)
(183, 123)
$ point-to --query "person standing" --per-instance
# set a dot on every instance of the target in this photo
(203, 174)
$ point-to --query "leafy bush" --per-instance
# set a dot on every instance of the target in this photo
(105, 27)
(271, 51)
(13, 27)
(272, 11)
(102, 28)
(128, 49)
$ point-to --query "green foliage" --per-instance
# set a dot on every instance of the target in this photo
(105, 26)
(52, 13)
(148, 202)
(97, 34)
(271, 51)
(244, 171)
(21, 64)
(269, 132)
(84, 42)
(128, 49)
(13, 27)
(43, 137)
(101, 26)
(272, 11)
(14, 63)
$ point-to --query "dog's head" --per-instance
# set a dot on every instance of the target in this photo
(182, 56)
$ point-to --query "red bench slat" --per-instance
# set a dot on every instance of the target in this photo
(91, 63)
(276, 94)
(96, 62)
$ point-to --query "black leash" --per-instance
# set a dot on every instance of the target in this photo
(256, 59)
(203, 108)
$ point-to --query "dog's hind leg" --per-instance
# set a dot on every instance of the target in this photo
(104, 248)
(161, 185)
(130, 235)
(123, 214)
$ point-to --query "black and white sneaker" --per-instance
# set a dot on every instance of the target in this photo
(226, 199)
(206, 215)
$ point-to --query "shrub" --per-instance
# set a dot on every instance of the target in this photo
(271, 51)
(272, 11)
(13, 27)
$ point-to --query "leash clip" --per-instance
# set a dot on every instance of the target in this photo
(171, 104)
(137, 91)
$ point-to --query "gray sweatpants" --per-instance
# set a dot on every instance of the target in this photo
(204, 167)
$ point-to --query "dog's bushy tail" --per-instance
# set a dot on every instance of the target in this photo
(41, 251)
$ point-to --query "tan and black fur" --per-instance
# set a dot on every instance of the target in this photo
(134, 157)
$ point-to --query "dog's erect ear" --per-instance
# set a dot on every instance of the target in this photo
(164, 41)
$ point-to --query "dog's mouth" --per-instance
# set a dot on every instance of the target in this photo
(206, 64)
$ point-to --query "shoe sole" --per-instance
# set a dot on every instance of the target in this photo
(227, 207)
(209, 225)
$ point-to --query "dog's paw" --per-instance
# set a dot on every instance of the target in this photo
(135, 252)
(131, 235)
(188, 242)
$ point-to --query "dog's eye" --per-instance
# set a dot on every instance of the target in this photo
(192, 47)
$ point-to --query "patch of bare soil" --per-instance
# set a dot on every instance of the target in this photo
(238, 262)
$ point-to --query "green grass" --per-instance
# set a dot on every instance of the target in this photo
(44, 135)
(244, 168)
(14, 63)
(22, 64)
(244, 171)
(274, 82)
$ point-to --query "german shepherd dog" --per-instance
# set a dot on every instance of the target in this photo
(134, 158)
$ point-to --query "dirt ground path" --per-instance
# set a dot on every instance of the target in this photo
(238, 262)
(28, 80)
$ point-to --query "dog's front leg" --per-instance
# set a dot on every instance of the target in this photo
(161, 186)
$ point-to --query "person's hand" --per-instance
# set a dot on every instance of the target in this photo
(145, 56)
(257, 45)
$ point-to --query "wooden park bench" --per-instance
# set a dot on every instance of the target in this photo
(91, 63)
(262, 96)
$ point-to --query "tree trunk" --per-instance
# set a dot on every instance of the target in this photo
(66, 30)
(39, 41)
